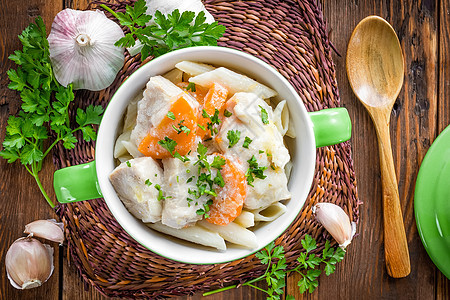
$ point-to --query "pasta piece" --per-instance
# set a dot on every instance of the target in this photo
(130, 117)
(234, 82)
(270, 213)
(119, 148)
(193, 68)
(245, 219)
(124, 158)
(281, 117)
(233, 233)
(175, 75)
(195, 234)
(132, 149)
(288, 169)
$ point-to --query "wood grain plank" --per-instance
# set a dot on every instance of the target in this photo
(413, 124)
(443, 283)
(20, 199)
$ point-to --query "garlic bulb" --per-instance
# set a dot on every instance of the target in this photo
(82, 49)
(29, 263)
(336, 222)
(167, 6)
(47, 229)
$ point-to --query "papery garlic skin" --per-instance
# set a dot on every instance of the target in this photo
(168, 6)
(29, 263)
(46, 229)
(336, 222)
(82, 49)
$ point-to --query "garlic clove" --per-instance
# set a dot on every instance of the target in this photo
(47, 229)
(336, 222)
(82, 51)
(29, 263)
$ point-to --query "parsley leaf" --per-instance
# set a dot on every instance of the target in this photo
(264, 115)
(233, 137)
(247, 142)
(254, 171)
(44, 109)
(308, 268)
(168, 144)
(171, 115)
(191, 87)
(227, 113)
(176, 31)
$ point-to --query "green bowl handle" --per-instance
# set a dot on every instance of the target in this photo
(76, 183)
(331, 126)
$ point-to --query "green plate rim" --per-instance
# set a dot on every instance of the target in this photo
(424, 206)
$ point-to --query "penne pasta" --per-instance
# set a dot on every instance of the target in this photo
(119, 148)
(195, 234)
(175, 75)
(245, 219)
(281, 117)
(288, 169)
(270, 213)
(234, 82)
(132, 149)
(124, 158)
(193, 68)
(233, 233)
(131, 115)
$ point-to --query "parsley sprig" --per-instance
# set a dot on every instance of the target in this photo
(309, 267)
(177, 30)
(44, 109)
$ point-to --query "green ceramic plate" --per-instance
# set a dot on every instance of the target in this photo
(432, 202)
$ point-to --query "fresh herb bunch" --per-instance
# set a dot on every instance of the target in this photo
(44, 106)
(168, 33)
(308, 267)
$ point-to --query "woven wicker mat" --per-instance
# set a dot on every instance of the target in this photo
(291, 36)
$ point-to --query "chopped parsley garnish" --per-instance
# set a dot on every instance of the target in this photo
(261, 151)
(181, 128)
(227, 113)
(191, 87)
(190, 179)
(218, 162)
(171, 115)
(254, 171)
(247, 142)
(201, 127)
(204, 211)
(170, 145)
(206, 182)
(160, 192)
(128, 164)
(148, 182)
(233, 137)
(214, 121)
(264, 115)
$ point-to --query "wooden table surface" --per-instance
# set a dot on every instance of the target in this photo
(420, 114)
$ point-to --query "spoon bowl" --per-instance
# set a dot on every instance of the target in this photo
(375, 72)
(375, 62)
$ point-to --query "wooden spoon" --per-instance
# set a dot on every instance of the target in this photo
(375, 71)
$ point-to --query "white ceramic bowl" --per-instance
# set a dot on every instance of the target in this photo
(302, 151)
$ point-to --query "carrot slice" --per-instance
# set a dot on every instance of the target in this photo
(183, 115)
(199, 93)
(214, 99)
(227, 206)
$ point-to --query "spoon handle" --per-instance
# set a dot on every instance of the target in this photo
(395, 243)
